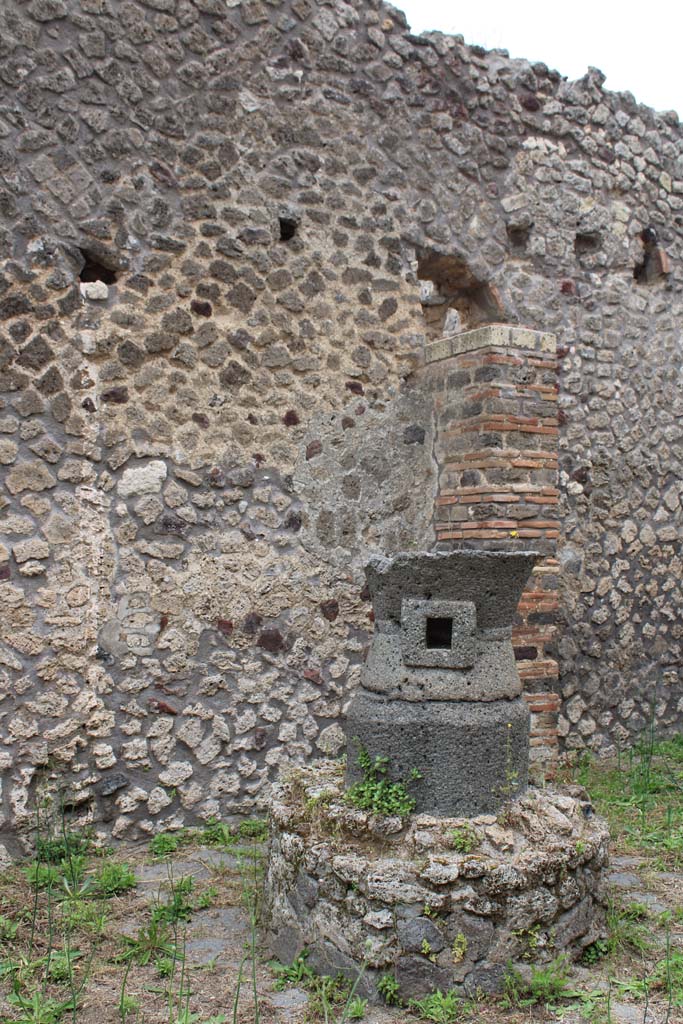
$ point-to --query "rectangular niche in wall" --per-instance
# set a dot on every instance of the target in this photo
(438, 634)
(453, 298)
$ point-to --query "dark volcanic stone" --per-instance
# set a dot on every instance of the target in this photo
(36, 354)
(115, 396)
(112, 784)
(271, 640)
(14, 305)
(417, 977)
(416, 933)
(414, 435)
(471, 756)
(234, 375)
(330, 609)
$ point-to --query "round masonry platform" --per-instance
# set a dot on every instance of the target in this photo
(438, 903)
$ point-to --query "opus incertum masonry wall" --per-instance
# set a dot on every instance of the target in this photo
(234, 238)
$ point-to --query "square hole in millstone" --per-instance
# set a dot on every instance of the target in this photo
(438, 633)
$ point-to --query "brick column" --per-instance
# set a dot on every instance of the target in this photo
(494, 393)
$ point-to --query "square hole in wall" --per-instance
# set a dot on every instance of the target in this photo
(438, 634)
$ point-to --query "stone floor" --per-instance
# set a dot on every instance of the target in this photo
(215, 939)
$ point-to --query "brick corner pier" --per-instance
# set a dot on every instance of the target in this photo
(494, 392)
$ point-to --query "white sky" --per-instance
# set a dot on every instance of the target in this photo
(638, 47)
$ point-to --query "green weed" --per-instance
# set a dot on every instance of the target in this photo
(127, 1007)
(626, 932)
(179, 907)
(113, 878)
(8, 929)
(296, 973)
(375, 793)
(217, 833)
(388, 988)
(54, 849)
(214, 833)
(464, 838)
(42, 876)
(165, 966)
(152, 940)
(255, 828)
(356, 1009)
(325, 992)
(60, 964)
(642, 796)
(38, 1008)
(459, 948)
(166, 843)
(547, 984)
(441, 1007)
(595, 952)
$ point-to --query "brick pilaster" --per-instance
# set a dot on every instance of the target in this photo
(494, 392)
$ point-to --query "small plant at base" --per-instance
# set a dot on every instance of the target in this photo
(112, 878)
(179, 907)
(165, 966)
(164, 844)
(42, 876)
(595, 952)
(459, 948)
(388, 988)
(205, 899)
(60, 965)
(8, 929)
(254, 828)
(326, 992)
(375, 793)
(37, 1008)
(668, 974)
(625, 929)
(153, 939)
(217, 833)
(463, 839)
(128, 1006)
(546, 984)
(68, 844)
(356, 1008)
(296, 973)
(85, 915)
(441, 1007)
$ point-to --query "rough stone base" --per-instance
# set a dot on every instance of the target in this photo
(412, 902)
(471, 757)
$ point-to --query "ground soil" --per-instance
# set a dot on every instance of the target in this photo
(216, 940)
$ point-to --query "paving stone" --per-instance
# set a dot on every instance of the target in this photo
(161, 872)
(625, 1013)
(289, 999)
(218, 932)
(648, 899)
(624, 879)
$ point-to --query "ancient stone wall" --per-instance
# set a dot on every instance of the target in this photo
(229, 228)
